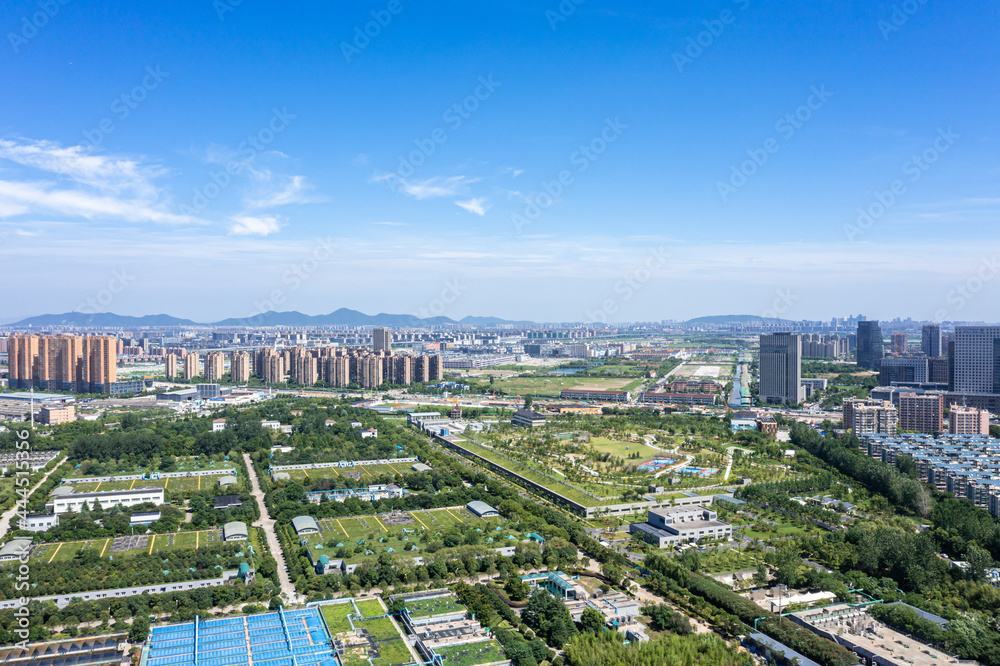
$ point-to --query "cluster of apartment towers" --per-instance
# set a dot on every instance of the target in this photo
(334, 366)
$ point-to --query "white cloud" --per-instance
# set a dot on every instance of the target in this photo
(246, 225)
(391, 224)
(475, 205)
(438, 186)
(21, 197)
(280, 190)
(107, 173)
(514, 173)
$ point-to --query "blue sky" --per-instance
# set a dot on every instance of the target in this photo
(413, 169)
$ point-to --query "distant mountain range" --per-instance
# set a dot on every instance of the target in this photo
(341, 317)
(736, 319)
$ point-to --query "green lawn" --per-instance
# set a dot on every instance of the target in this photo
(554, 384)
(471, 654)
(370, 607)
(625, 449)
(335, 616)
(434, 606)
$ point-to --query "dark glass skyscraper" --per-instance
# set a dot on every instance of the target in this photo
(869, 345)
(930, 340)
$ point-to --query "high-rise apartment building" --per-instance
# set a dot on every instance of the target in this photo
(968, 421)
(382, 339)
(215, 366)
(899, 343)
(781, 369)
(239, 367)
(921, 413)
(874, 419)
(191, 365)
(930, 340)
(870, 351)
(976, 359)
(86, 364)
(170, 366)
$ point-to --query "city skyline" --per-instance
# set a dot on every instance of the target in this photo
(359, 179)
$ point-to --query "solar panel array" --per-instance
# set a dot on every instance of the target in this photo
(284, 638)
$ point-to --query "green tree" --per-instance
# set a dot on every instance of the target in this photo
(139, 630)
(591, 620)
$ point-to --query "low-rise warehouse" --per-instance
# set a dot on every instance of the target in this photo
(235, 531)
(305, 525)
(482, 509)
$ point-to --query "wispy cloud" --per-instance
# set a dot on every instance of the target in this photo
(77, 182)
(391, 224)
(280, 190)
(246, 225)
(514, 173)
(80, 164)
(475, 205)
(21, 197)
(429, 188)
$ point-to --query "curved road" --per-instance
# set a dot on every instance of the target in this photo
(9, 514)
(267, 523)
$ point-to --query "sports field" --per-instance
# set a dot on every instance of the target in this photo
(175, 485)
(367, 472)
(65, 551)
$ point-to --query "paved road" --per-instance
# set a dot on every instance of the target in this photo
(267, 523)
(9, 514)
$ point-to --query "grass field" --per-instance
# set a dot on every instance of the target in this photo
(178, 485)
(625, 449)
(434, 606)
(368, 536)
(184, 464)
(66, 551)
(335, 616)
(368, 472)
(552, 385)
(370, 607)
(471, 654)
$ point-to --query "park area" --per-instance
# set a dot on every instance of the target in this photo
(363, 632)
(552, 385)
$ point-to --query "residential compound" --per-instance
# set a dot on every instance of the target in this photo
(80, 364)
(966, 465)
(340, 367)
(868, 416)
